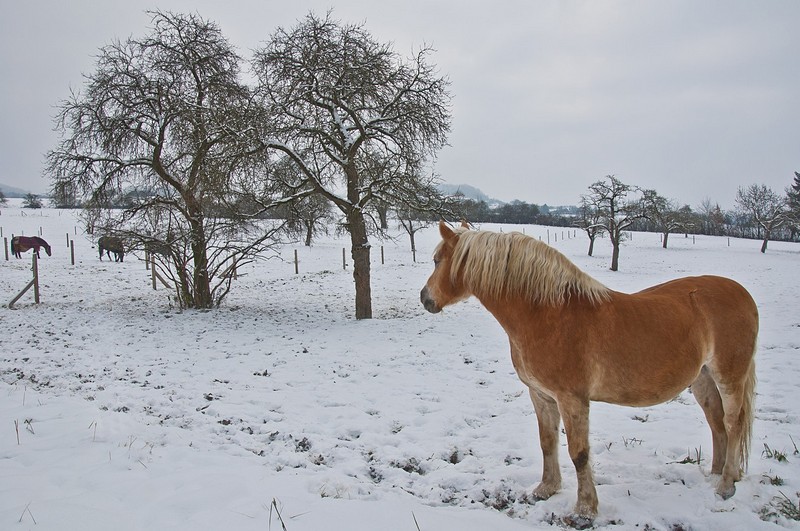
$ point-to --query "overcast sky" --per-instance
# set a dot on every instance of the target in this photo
(693, 98)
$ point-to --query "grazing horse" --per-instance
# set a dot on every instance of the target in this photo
(110, 244)
(22, 244)
(573, 340)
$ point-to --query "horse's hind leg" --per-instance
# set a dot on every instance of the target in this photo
(707, 395)
(737, 393)
(548, 418)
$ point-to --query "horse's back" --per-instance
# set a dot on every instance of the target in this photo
(712, 297)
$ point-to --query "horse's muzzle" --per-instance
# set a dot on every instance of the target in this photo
(428, 302)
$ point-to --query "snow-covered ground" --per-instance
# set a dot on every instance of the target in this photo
(119, 412)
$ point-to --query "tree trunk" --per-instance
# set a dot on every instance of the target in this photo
(615, 252)
(413, 245)
(309, 233)
(764, 243)
(361, 265)
(666, 237)
(591, 244)
(382, 214)
(201, 288)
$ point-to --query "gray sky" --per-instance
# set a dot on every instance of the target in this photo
(691, 97)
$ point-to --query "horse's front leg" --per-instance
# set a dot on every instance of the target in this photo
(548, 418)
(575, 413)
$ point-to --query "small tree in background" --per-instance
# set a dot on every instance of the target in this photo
(64, 195)
(589, 221)
(617, 213)
(310, 216)
(3, 198)
(712, 217)
(665, 214)
(31, 201)
(415, 216)
(766, 208)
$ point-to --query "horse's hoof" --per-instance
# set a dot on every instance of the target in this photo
(726, 492)
(578, 521)
(543, 492)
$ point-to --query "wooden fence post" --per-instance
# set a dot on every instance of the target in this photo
(35, 278)
(72, 251)
(382, 259)
(296, 264)
(5, 246)
(344, 260)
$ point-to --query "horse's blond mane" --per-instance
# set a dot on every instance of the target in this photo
(503, 265)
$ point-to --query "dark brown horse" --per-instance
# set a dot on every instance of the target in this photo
(22, 244)
(110, 244)
(573, 341)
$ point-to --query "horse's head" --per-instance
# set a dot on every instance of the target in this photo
(47, 249)
(443, 287)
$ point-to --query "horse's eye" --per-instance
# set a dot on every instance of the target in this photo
(436, 262)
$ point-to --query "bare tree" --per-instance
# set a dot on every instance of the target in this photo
(712, 216)
(164, 120)
(31, 201)
(64, 195)
(616, 211)
(310, 216)
(590, 221)
(343, 103)
(417, 215)
(766, 208)
(665, 214)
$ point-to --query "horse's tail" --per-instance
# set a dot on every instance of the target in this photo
(747, 413)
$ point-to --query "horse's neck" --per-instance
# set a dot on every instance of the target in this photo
(516, 315)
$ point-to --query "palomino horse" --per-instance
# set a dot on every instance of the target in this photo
(573, 340)
(22, 244)
(110, 244)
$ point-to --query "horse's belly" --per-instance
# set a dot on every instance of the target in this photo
(646, 386)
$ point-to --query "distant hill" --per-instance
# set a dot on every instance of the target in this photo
(469, 192)
(12, 191)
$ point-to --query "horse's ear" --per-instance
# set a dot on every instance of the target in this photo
(464, 224)
(446, 232)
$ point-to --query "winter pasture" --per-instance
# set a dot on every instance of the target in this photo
(279, 411)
